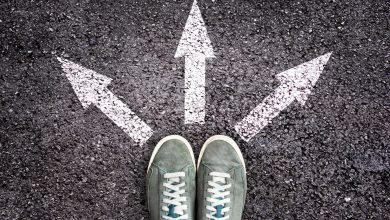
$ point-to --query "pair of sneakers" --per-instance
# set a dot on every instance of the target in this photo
(216, 185)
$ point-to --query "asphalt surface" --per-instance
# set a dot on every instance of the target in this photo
(329, 159)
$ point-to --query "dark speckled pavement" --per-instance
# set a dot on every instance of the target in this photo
(329, 159)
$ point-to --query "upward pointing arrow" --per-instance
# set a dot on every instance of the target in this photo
(91, 88)
(296, 84)
(195, 46)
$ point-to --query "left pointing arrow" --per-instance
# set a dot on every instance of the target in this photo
(91, 88)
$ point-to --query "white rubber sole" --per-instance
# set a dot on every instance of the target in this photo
(167, 138)
(222, 138)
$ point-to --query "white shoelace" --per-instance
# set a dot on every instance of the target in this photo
(218, 192)
(173, 196)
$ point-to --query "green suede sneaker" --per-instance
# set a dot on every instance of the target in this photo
(170, 180)
(221, 180)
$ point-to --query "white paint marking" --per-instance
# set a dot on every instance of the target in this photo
(91, 88)
(296, 84)
(195, 46)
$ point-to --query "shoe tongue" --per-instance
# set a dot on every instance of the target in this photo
(171, 212)
(219, 210)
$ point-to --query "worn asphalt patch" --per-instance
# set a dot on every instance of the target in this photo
(328, 159)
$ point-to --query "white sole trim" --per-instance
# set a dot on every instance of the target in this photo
(167, 138)
(221, 138)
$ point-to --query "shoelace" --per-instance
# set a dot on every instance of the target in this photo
(173, 197)
(218, 191)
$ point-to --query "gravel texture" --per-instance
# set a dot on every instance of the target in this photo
(329, 159)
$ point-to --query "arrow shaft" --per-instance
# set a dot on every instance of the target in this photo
(123, 117)
(195, 95)
(263, 114)
(296, 84)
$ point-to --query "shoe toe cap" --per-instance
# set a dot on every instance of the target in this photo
(173, 156)
(221, 156)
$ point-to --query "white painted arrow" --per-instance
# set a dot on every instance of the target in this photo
(195, 46)
(91, 88)
(296, 84)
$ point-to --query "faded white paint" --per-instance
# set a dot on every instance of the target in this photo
(91, 88)
(296, 84)
(195, 46)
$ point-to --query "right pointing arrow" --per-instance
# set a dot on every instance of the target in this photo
(296, 84)
(195, 46)
(90, 88)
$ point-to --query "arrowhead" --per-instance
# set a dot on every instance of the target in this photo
(303, 77)
(87, 84)
(195, 39)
